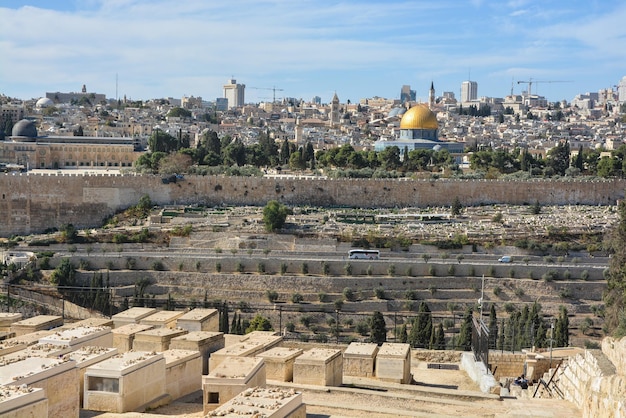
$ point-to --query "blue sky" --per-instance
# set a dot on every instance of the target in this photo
(366, 48)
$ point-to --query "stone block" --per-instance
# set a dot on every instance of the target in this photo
(270, 403)
(156, 339)
(124, 336)
(36, 323)
(231, 377)
(89, 322)
(199, 320)
(7, 319)
(359, 359)
(206, 342)
(319, 366)
(162, 319)
(57, 377)
(183, 372)
(279, 363)
(393, 363)
(81, 336)
(87, 356)
(243, 349)
(131, 316)
(127, 382)
(19, 402)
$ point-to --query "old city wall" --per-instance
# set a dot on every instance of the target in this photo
(34, 202)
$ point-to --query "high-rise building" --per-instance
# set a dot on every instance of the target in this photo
(621, 90)
(469, 91)
(406, 94)
(234, 93)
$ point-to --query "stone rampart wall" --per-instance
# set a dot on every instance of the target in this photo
(593, 383)
(34, 202)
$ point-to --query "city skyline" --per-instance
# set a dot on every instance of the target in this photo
(151, 49)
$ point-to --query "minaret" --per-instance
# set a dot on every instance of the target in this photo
(431, 96)
(334, 111)
(299, 136)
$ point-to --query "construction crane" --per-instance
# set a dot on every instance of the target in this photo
(530, 83)
(274, 90)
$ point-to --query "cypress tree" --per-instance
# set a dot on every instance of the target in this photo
(378, 328)
(233, 325)
(403, 337)
(440, 340)
(464, 339)
(493, 327)
(224, 318)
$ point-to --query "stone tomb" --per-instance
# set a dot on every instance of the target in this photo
(199, 320)
(36, 323)
(231, 377)
(279, 363)
(243, 349)
(78, 337)
(131, 316)
(359, 359)
(89, 322)
(124, 336)
(206, 342)
(162, 319)
(20, 402)
(393, 363)
(183, 372)
(127, 382)
(36, 350)
(156, 339)
(19, 343)
(87, 356)
(7, 319)
(319, 366)
(265, 402)
(57, 377)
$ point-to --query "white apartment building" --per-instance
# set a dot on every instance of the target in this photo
(234, 93)
(469, 91)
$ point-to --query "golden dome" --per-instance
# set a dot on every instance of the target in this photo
(419, 117)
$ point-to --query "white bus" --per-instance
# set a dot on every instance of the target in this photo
(364, 254)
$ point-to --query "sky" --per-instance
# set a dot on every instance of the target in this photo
(146, 49)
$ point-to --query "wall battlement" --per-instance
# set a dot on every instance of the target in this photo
(34, 202)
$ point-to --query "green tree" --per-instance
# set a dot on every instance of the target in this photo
(64, 274)
(456, 207)
(615, 295)
(464, 339)
(438, 338)
(403, 336)
(493, 327)
(274, 215)
(259, 323)
(161, 141)
(559, 158)
(223, 326)
(378, 328)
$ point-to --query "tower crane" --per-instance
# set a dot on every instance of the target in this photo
(274, 90)
(530, 83)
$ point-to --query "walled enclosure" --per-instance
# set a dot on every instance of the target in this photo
(33, 202)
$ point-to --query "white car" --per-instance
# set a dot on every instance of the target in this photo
(505, 259)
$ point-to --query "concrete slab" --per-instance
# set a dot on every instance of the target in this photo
(206, 342)
(18, 402)
(36, 323)
(156, 339)
(160, 319)
(131, 316)
(124, 336)
(319, 366)
(359, 359)
(183, 372)
(199, 320)
(265, 402)
(279, 363)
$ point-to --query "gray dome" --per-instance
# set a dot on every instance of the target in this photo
(397, 111)
(26, 128)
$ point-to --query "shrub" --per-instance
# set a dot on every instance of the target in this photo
(512, 273)
(321, 338)
(410, 295)
(198, 265)
(272, 295)
(509, 307)
(83, 264)
(526, 260)
(110, 265)
(379, 292)
(409, 271)
(260, 268)
(565, 293)
(240, 267)
(338, 304)
(158, 266)
(519, 292)
(548, 259)
(459, 258)
(362, 327)
(348, 269)
(549, 276)
(471, 271)
(181, 266)
(348, 294)
(448, 323)
(218, 267)
(297, 298)
(451, 270)
(391, 270)
(290, 327)
(497, 290)
(432, 289)
(283, 268)
(432, 271)
(218, 250)
(325, 268)
(305, 321)
(323, 297)
(584, 275)
(426, 257)
(304, 268)
(130, 263)
(491, 271)
(369, 270)
(567, 275)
